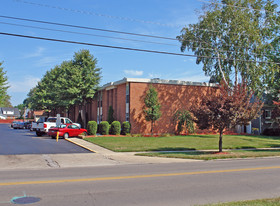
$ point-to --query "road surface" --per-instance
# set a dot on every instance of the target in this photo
(171, 184)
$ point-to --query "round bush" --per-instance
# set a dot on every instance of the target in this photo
(125, 128)
(116, 128)
(92, 127)
(104, 127)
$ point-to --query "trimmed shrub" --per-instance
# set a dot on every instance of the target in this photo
(92, 127)
(104, 127)
(115, 128)
(125, 128)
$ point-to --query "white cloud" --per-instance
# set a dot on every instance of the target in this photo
(37, 53)
(24, 85)
(133, 72)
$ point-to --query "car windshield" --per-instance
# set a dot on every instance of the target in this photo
(62, 126)
(52, 120)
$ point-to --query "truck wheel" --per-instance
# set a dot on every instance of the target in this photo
(39, 134)
(66, 135)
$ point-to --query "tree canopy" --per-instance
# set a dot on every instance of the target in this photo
(234, 40)
(71, 82)
(152, 110)
(231, 107)
(4, 97)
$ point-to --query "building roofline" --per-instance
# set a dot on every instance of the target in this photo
(157, 81)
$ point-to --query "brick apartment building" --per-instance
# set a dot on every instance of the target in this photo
(126, 97)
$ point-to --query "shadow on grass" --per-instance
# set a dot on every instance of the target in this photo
(173, 149)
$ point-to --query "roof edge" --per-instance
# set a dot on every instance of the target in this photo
(157, 81)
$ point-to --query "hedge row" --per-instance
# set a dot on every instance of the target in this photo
(105, 128)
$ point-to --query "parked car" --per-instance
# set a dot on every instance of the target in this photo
(27, 125)
(43, 127)
(67, 130)
(13, 123)
(18, 125)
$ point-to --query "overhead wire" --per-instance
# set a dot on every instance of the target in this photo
(87, 34)
(88, 28)
(127, 48)
(106, 30)
(96, 14)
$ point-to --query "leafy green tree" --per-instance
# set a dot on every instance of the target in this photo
(152, 111)
(21, 108)
(72, 82)
(111, 115)
(234, 43)
(4, 97)
(183, 118)
(80, 80)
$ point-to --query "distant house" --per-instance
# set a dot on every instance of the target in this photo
(9, 113)
(37, 114)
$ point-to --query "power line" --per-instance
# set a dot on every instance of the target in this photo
(135, 40)
(80, 33)
(127, 48)
(86, 27)
(104, 30)
(95, 14)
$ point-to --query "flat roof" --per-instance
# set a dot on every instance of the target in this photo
(156, 81)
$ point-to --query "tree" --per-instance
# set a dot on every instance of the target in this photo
(21, 108)
(152, 111)
(72, 82)
(111, 115)
(231, 107)
(82, 80)
(184, 119)
(234, 43)
(4, 97)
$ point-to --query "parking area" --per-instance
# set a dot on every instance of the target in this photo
(23, 141)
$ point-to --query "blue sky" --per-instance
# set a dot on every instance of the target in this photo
(27, 60)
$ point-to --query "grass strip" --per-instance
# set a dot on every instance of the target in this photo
(207, 155)
(262, 202)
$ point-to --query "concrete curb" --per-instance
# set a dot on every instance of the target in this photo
(73, 142)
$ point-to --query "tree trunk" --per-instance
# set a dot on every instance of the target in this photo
(152, 127)
(221, 142)
(83, 115)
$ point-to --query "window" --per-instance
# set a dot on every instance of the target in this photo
(67, 121)
(267, 114)
(75, 126)
(127, 117)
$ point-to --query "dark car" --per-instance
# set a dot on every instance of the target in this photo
(18, 125)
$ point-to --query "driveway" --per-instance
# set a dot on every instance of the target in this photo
(20, 141)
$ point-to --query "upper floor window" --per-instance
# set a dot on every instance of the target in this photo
(267, 114)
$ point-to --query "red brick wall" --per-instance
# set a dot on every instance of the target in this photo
(121, 93)
(171, 98)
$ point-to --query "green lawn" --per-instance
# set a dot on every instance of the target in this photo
(263, 202)
(193, 142)
(201, 155)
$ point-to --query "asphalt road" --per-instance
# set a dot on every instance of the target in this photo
(172, 184)
(21, 141)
